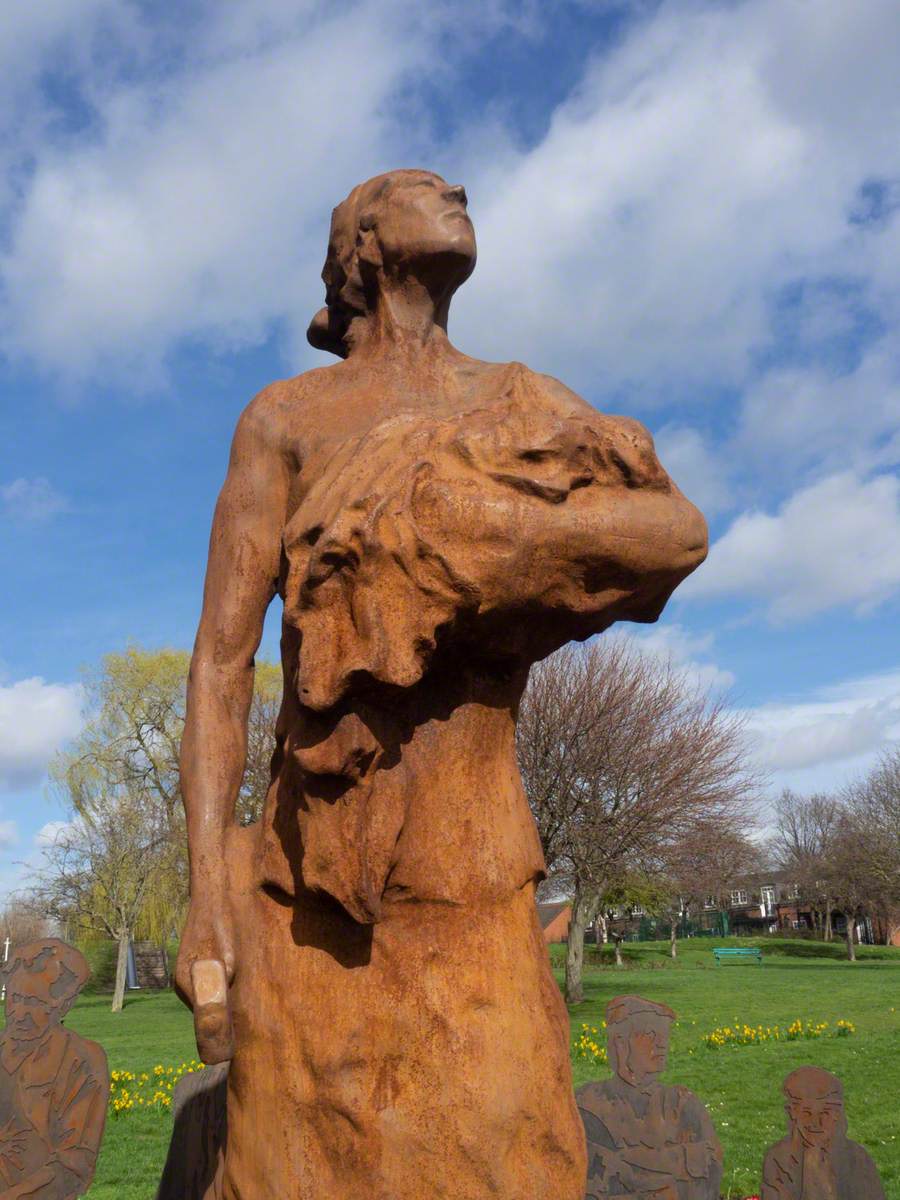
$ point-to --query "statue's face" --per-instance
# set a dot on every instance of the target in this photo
(642, 1053)
(816, 1119)
(421, 219)
(28, 1013)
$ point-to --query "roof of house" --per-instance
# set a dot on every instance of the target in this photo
(547, 913)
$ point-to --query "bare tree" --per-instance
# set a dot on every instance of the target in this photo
(875, 805)
(21, 923)
(620, 756)
(801, 844)
(98, 872)
(702, 863)
(852, 882)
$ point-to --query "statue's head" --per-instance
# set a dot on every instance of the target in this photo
(637, 1033)
(404, 224)
(814, 1103)
(43, 979)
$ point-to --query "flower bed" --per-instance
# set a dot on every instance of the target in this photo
(146, 1091)
(754, 1035)
(587, 1046)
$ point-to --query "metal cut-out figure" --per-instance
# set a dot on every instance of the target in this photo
(54, 1085)
(817, 1161)
(646, 1139)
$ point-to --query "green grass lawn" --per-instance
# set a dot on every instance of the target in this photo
(740, 1085)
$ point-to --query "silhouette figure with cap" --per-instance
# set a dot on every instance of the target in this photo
(646, 1139)
(54, 1085)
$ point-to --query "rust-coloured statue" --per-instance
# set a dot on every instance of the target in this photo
(644, 1138)
(54, 1085)
(817, 1161)
(369, 955)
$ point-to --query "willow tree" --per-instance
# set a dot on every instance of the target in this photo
(622, 757)
(119, 781)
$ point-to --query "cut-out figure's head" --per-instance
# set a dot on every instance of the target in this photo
(400, 226)
(815, 1106)
(638, 1038)
(43, 979)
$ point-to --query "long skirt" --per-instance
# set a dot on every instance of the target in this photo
(425, 1057)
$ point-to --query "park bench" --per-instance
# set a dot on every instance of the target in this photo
(721, 952)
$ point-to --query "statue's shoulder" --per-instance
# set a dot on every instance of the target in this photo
(276, 413)
(548, 392)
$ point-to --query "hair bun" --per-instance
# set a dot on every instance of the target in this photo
(326, 332)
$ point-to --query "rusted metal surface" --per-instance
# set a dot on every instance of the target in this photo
(817, 1160)
(646, 1138)
(195, 1162)
(54, 1085)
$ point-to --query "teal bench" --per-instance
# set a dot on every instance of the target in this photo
(721, 952)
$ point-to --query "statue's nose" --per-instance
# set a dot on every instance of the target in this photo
(458, 192)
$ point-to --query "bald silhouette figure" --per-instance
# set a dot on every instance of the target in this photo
(54, 1085)
(817, 1161)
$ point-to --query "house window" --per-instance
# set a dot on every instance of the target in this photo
(637, 910)
(709, 902)
(739, 896)
(767, 897)
(792, 891)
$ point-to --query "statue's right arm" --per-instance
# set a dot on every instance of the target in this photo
(241, 579)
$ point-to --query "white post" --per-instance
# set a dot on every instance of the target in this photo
(6, 945)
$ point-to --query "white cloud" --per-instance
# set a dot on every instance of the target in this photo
(639, 242)
(691, 176)
(18, 874)
(836, 542)
(696, 468)
(36, 718)
(49, 833)
(687, 652)
(198, 206)
(798, 418)
(793, 738)
(823, 741)
(31, 499)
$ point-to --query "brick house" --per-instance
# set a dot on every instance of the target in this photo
(760, 903)
(764, 902)
(555, 919)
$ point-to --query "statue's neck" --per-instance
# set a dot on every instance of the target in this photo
(408, 320)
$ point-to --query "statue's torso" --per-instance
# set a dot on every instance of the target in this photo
(438, 812)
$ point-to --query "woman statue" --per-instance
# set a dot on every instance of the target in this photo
(433, 525)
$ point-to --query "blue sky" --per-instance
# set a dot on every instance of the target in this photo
(690, 212)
